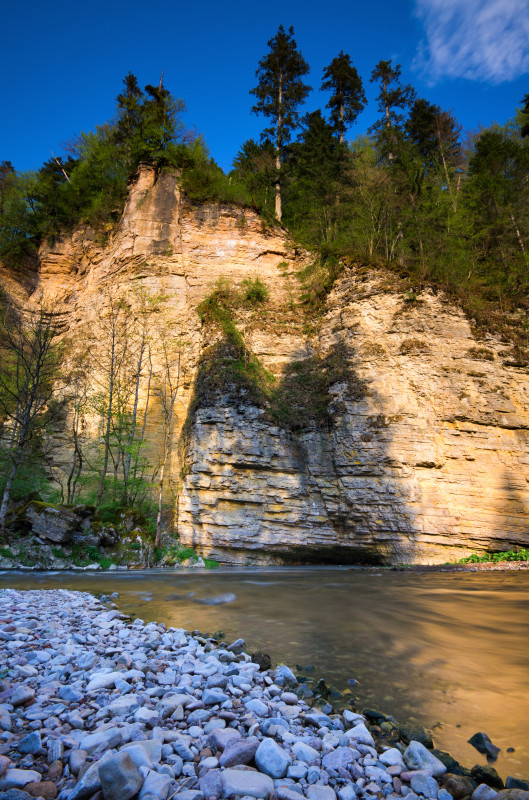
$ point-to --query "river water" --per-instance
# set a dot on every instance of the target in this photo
(447, 650)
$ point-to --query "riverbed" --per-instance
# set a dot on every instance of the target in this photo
(449, 651)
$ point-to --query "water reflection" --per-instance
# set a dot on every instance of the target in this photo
(450, 651)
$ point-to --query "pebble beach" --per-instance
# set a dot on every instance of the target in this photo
(97, 706)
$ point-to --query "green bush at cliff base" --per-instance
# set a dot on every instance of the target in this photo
(496, 558)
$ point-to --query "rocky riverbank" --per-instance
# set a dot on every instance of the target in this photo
(94, 706)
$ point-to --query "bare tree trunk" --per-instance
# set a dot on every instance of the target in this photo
(169, 395)
(278, 208)
(518, 234)
(132, 433)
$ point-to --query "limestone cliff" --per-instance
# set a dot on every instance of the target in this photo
(423, 455)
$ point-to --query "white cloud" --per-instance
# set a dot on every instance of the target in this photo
(486, 40)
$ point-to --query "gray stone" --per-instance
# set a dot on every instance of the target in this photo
(417, 756)
(246, 782)
(212, 697)
(360, 735)
(70, 694)
(347, 792)
(170, 703)
(77, 760)
(138, 755)
(321, 793)
(111, 737)
(318, 719)
(237, 646)
(285, 677)
(239, 751)
(257, 707)
(89, 784)
(391, 757)
(21, 695)
(306, 753)
(219, 738)
(87, 660)
(155, 787)
(52, 524)
(120, 777)
(123, 706)
(152, 748)
(102, 680)
(211, 783)
(484, 792)
(17, 778)
(425, 785)
(15, 794)
(31, 744)
(442, 794)
(55, 750)
(341, 757)
(272, 759)
(182, 750)
(5, 719)
(297, 771)
(288, 793)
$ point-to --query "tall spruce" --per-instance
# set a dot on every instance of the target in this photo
(393, 99)
(348, 98)
(279, 93)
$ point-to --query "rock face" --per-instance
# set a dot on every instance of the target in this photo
(422, 455)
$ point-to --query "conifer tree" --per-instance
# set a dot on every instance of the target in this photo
(348, 98)
(393, 99)
(279, 93)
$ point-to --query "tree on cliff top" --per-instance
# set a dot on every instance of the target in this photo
(149, 127)
(348, 98)
(393, 100)
(279, 93)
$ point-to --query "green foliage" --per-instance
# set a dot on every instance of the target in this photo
(496, 558)
(348, 98)
(255, 291)
(174, 554)
(280, 89)
(210, 563)
(204, 180)
(5, 552)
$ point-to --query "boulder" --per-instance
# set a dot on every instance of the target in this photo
(272, 759)
(120, 777)
(418, 757)
(246, 782)
(51, 523)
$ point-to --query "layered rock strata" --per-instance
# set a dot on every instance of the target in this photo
(422, 454)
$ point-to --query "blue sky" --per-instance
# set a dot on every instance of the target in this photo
(62, 63)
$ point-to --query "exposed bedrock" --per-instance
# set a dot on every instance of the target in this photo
(423, 455)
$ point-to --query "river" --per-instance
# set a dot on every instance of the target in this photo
(447, 650)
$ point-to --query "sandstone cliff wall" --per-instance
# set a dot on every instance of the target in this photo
(425, 453)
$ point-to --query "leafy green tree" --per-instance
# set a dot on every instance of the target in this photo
(254, 164)
(348, 98)
(393, 99)
(279, 93)
(30, 367)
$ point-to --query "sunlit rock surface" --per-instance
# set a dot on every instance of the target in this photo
(425, 457)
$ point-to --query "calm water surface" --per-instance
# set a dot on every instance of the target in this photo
(450, 651)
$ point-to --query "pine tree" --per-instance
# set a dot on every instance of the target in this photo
(393, 99)
(348, 98)
(279, 93)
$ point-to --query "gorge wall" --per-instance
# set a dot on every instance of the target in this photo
(423, 455)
